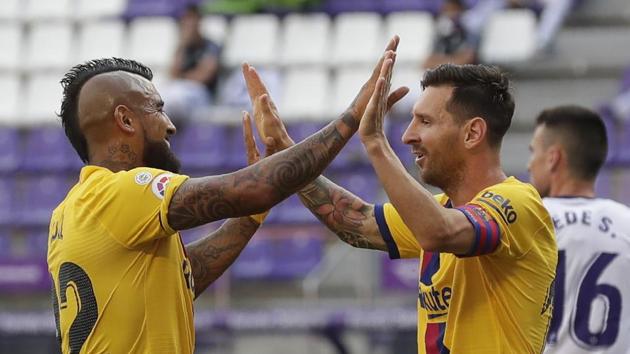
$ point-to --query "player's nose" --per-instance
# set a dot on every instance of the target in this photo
(410, 136)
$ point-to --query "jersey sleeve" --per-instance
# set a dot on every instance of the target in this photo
(486, 228)
(506, 218)
(401, 243)
(133, 205)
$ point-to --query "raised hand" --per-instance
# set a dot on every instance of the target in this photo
(380, 102)
(359, 104)
(253, 155)
(268, 123)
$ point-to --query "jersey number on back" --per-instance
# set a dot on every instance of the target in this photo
(71, 276)
(589, 290)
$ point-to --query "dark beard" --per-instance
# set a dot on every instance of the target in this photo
(157, 154)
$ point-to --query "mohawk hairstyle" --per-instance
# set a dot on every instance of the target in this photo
(73, 81)
(479, 91)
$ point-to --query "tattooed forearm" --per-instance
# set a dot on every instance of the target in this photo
(213, 254)
(260, 186)
(343, 213)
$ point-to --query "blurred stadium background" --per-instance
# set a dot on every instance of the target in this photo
(295, 288)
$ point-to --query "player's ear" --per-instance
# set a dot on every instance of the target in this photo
(124, 119)
(554, 156)
(475, 131)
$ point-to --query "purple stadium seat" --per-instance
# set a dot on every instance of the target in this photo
(623, 144)
(138, 8)
(201, 146)
(280, 253)
(603, 187)
(291, 211)
(623, 192)
(300, 131)
(399, 274)
(39, 196)
(5, 243)
(432, 6)
(236, 156)
(255, 261)
(364, 184)
(335, 7)
(192, 235)
(36, 243)
(10, 147)
(7, 202)
(296, 256)
(470, 3)
(351, 156)
(47, 149)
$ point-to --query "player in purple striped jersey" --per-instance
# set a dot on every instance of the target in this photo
(591, 311)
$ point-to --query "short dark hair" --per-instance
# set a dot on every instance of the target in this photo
(478, 91)
(72, 83)
(582, 133)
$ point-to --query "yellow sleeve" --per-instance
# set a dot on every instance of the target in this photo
(133, 205)
(401, 243)
(519, 212)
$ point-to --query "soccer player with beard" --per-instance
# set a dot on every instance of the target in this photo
(123, 280)
(590, 308)
(486, 245)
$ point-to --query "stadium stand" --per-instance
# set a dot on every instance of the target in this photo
(87, 10)
(306, 91)
(509, 36)
(11, 38)
(253, 39)
(101, 39)
(316, 61)
(297, 51)
(151, 40)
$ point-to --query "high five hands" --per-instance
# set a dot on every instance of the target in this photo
(381, 101)
(368, 107)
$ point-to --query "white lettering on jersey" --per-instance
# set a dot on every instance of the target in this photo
(592, 292)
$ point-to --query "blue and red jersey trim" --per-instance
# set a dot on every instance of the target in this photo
(392, 248)
(487, 230)
(434, 339)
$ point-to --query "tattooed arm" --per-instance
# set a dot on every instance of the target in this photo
(259, 187)
(345, 214)
(213, 254)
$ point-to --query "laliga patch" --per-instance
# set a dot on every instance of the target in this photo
(158, 187)
(143, 178)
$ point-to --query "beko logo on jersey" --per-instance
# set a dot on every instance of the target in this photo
(506, 210)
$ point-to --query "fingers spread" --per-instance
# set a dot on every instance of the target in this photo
(266, 104)
(255, 86)
(396, 96)
(250, 143)
(393, 43)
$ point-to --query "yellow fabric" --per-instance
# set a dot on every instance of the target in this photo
(110, 237)
(498, 302)
(260, 218)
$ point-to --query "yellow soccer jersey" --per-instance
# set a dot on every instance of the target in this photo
(496, 298)
(122, 280)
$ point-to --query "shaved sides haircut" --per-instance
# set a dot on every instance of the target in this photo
(582, 134)
(72, 83)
